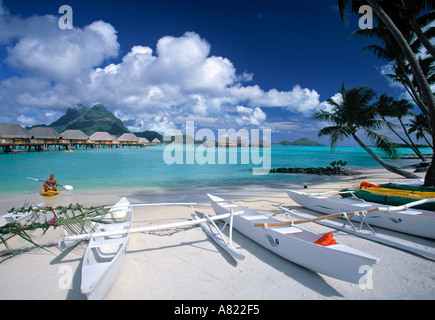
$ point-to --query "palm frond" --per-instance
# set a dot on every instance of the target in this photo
(75, 219)
(383, 143)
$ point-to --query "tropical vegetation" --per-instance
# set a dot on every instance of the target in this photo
(74, 218)
(404, 27)
(354, 113)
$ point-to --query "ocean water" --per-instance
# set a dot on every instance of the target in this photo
(90, 169)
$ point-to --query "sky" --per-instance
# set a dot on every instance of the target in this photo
(223, 64)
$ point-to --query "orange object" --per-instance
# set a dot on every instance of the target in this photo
(365, 184)
(326, 240)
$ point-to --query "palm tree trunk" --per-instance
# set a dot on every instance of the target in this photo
(423, 84)
(427, 141)
(422, 37)
(416, 151)
(412, 91)
(384, 164)
(409, 55)
(413, 146)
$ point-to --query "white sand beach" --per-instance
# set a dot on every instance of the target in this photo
(185, 264)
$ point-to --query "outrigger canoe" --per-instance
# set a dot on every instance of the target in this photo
(297, 245)
(408, 187)
(105, 256)
(411, 221)
(387, 196)
(49, 193)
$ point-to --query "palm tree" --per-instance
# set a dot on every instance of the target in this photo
(420, 125)
(387, 106)
(353, 113)
(421, 81)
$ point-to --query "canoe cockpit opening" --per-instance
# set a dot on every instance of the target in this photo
(99, 256)
(256, 217)
(287, 230)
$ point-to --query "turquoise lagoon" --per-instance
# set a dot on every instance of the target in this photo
(91, 169)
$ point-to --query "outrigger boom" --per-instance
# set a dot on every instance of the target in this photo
(88, 236)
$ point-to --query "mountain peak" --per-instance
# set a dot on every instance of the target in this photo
(97, 118)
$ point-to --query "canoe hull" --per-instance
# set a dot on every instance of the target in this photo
(415, 222)
(390, 196)
(104, 256)
(49, 193)
(297, 245)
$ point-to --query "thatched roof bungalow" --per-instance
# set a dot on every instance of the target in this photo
(100, 137)
(155, 141)
(44, 135)
(143, 141)
(128, 138)
(74, 137)
(13, 134)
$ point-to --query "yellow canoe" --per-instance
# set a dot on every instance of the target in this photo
(49, 193)
(417, 195)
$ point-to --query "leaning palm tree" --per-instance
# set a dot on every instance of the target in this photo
(387, 17)
(420, 125)
(387, 106)
(354, 113)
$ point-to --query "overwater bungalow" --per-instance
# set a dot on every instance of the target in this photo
(155, 142)
(75, 138)
(43, 137)
(143, 141)
(12, 136)
(128, 139)
(100, 138)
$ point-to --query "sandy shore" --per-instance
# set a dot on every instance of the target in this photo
(184, 264)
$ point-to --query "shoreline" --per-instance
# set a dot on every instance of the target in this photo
(185, 264)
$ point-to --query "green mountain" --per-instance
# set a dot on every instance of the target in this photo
(97, 118)
(301, 142)
(149, 135)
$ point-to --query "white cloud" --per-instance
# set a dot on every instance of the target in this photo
(41, 49)
(60, 68)
(297, 100)
(248, 116)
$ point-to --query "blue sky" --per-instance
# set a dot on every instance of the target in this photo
(157, 64)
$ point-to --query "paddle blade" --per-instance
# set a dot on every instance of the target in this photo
(67, 187)
(33, 179)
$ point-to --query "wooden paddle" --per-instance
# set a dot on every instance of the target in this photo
(67, 187)
(348, 214)
(331, 216)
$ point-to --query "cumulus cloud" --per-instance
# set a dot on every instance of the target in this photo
(41, 49)
(248, 116)
(150, 90)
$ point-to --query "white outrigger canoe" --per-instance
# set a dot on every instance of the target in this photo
(105, 256)
(403, 219)
(297, 245)
(107, 246)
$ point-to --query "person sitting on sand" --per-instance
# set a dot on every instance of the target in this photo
(51, 183)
